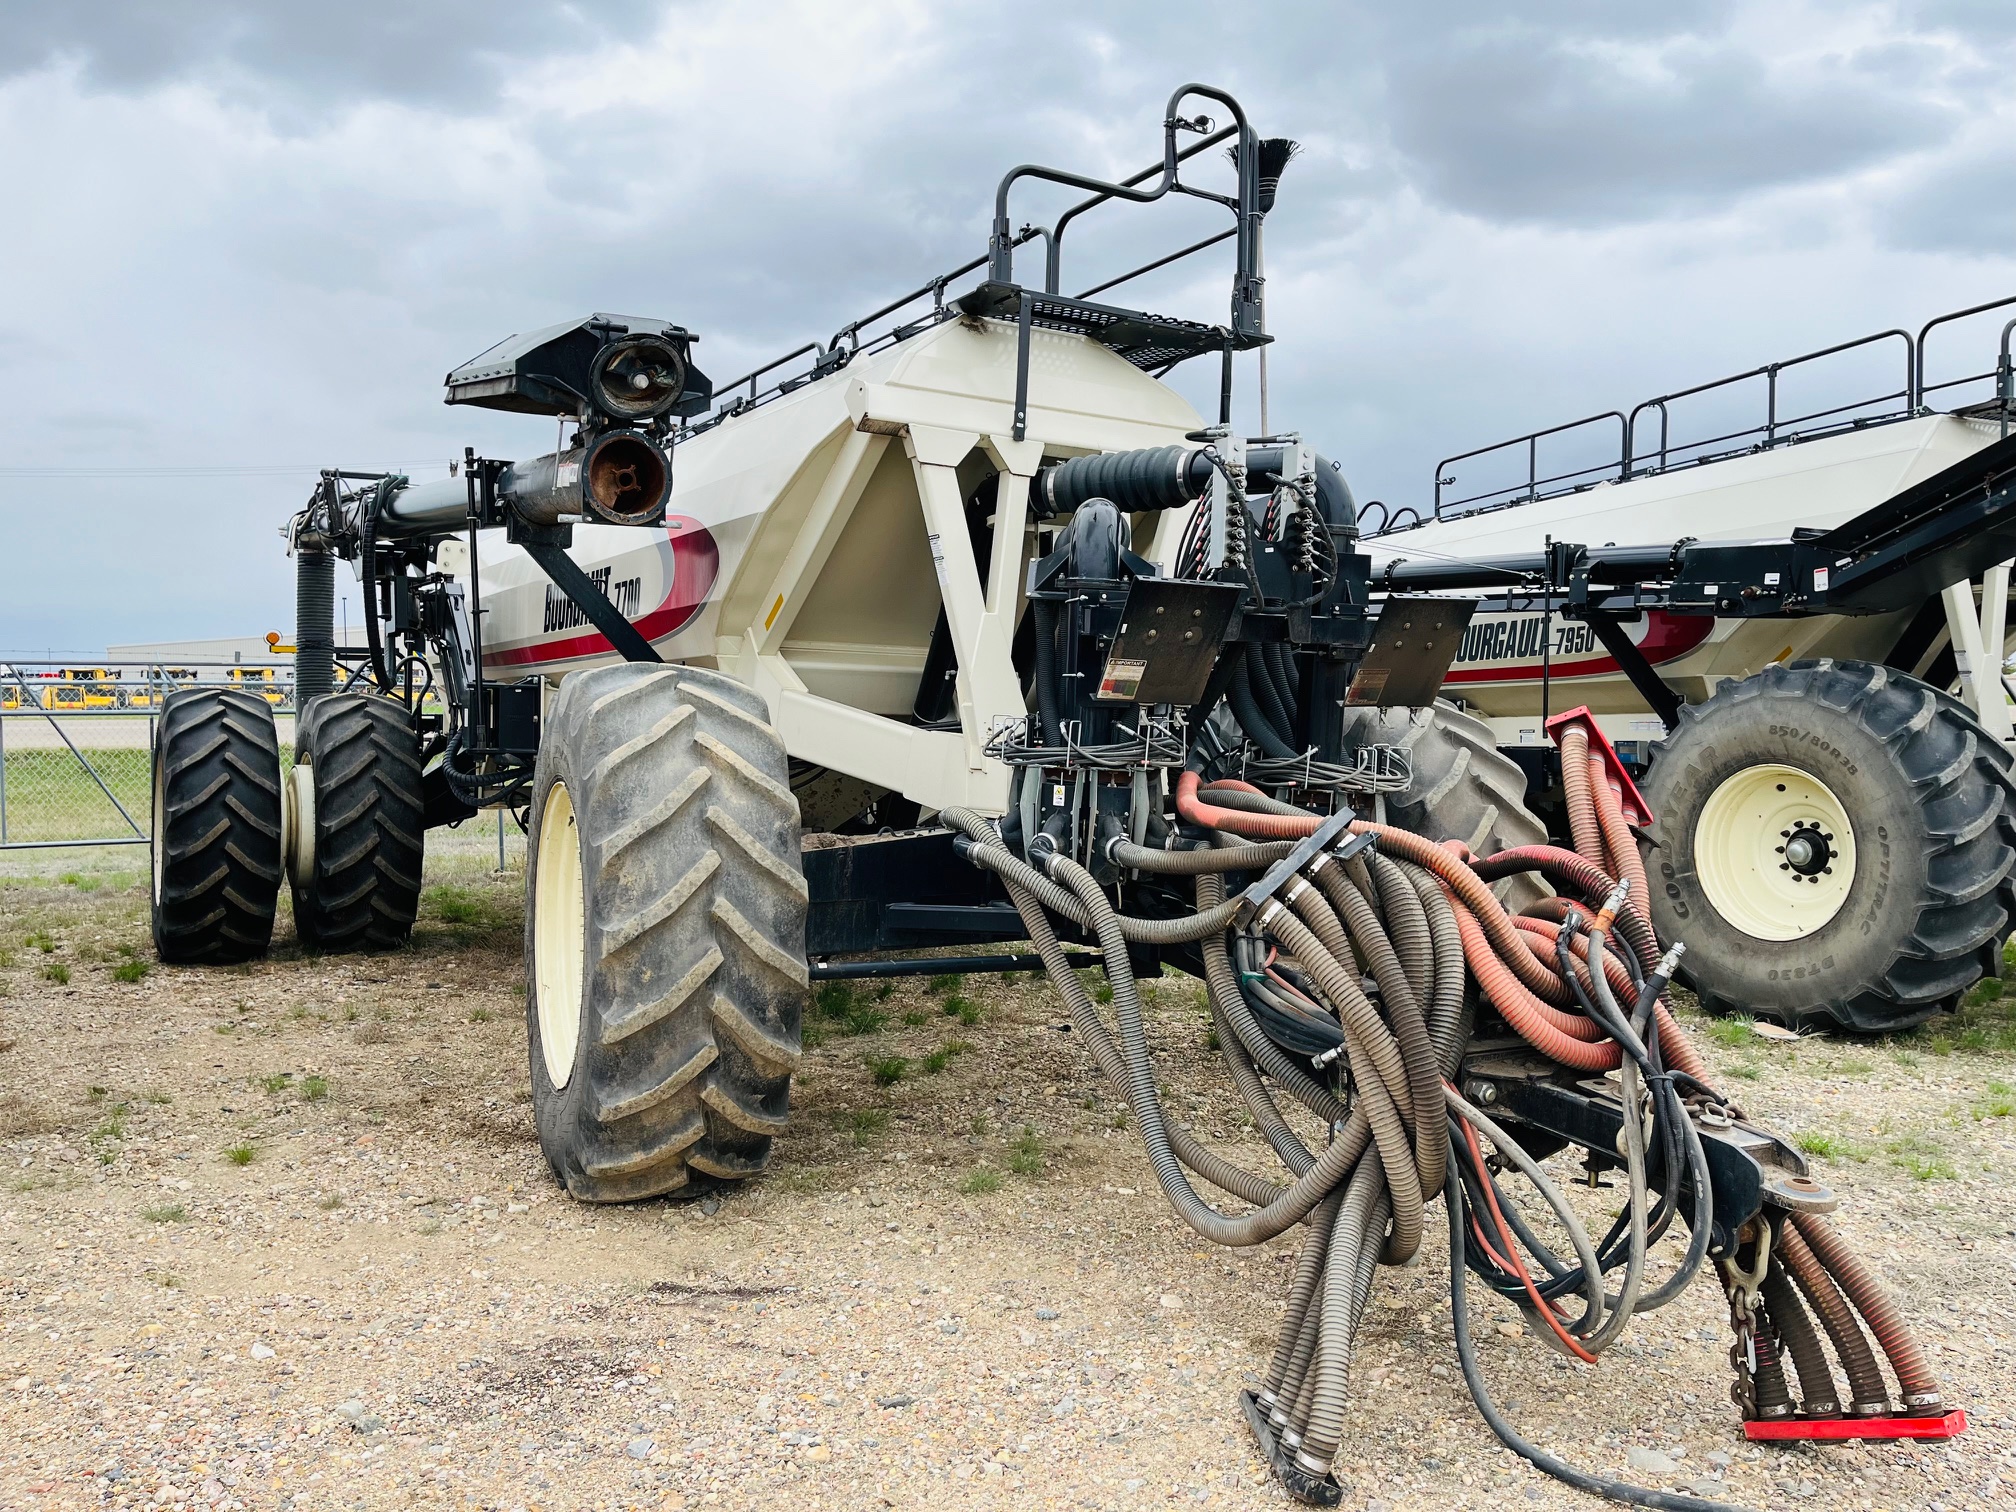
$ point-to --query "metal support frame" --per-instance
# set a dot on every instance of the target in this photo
(1978, 646)
(580, 589)
(1631, 661)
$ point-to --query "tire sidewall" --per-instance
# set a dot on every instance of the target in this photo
(1854, 948)
(558, 1112)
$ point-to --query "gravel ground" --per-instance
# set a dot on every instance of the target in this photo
(281, 1235)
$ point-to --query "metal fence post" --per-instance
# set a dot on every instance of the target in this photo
(3, 779)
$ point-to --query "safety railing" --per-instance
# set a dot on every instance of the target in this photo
(1647, 444)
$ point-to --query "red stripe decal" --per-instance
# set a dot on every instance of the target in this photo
(1666, 637)
(696, 562)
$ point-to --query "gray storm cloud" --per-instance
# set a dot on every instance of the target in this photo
(247, 240)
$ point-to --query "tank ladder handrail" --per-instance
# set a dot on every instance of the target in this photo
(1919, 388)
(1531, 441)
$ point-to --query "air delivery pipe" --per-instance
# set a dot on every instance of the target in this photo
(621, 477)
(1605, 564)
(1171, 477)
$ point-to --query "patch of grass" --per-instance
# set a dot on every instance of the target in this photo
(467, 910)
(1908, 1060)
(1746, 1073)
(167, 1212)
(940, 985)
(241, 1154)
(41, 940)
(480, 1015)
(329, 1201)
(979, 1181)
(132, 969)
(79, 880)
(1854, 1065)
(863, 1124)
(227, 1028)
(963, 1009)
(1732, 1033)
(6, 957)
(57, 972)
(1829, 1146)
(979, 1124)
(1920, 1156)
(914, 1018)
(94, 1094)
(165, 1278)
(160, 1099)
(1025, 1156)
(278, 1082)
(841, 1009)
(887, 1069)
(314, 1088)
(1997, 1100)
(1984, 1025)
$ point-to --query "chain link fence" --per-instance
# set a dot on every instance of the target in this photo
(77, 753)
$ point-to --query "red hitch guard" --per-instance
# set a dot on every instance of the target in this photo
(1637, 812)
(1951, 1425)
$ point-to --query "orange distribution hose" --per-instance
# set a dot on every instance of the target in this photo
(1617, 837)
(1575, 774)
(1556, 1035)
(1677, 1048)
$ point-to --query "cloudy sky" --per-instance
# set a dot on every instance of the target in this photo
(244, 241)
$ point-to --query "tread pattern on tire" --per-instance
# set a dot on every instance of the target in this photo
(695, 970)
(217, 776)
(1967, 793)
(369, 824)
(1463, 787)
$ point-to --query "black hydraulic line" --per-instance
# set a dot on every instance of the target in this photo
(1533, 1454)
(367, 566)
(1246, 709)
(831, 971)
(623, 637)
(1045, 675)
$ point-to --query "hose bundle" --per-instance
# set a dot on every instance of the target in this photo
(1369, 961)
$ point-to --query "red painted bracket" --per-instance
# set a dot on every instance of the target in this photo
(1637, 812)
(1952, 1425)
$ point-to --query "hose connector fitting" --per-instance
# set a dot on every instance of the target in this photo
(1670, 962)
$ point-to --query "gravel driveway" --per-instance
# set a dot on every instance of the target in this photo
(281, 1236)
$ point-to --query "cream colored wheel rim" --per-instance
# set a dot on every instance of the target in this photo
(1775, 852)
(558, 948)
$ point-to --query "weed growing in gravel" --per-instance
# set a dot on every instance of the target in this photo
(1025, 1156)
(132, 969)
(94, 1094)
(314, 1088)
(329, 1201)
(279, 1081)
(58, 973)
(1998, 1100)
(963, 1009)
(1854, 1065)
(940, 1058)
(1830, 1146)
(79, 881)
(160, 1099)
(979, 1181)
(887, 1069)
(1921, 1156)
(914, 1018)
(979, 1124)
(41, 940)
(863, 1124)
(1732, 1032)
(839, 1008)
(1984, 1025)
(6, 957)
(480, 1015)
(241, 1154)
(1746, 1073)
(167, 1212)
(165, 1278)
(941, 985)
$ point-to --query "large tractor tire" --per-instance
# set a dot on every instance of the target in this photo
(217, 861)
(664, 933)
(1462, 787)
(357, 825)
(1833, 841)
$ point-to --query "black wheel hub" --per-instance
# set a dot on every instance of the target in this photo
(1808, 851)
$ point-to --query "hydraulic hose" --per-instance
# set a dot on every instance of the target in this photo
(1621, 844)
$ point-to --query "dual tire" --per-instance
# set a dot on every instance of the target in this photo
(230, 824)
